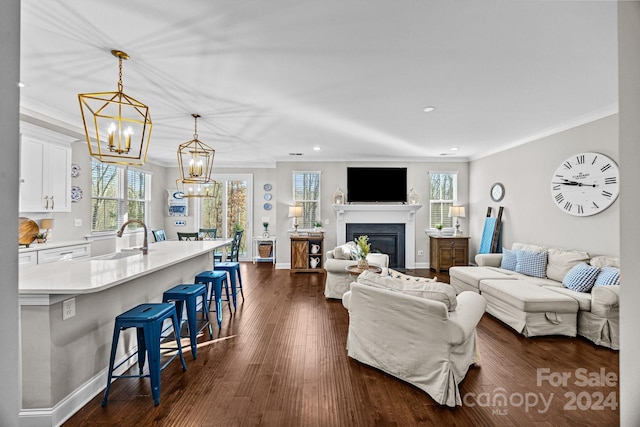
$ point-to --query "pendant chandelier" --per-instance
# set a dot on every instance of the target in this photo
(195, 159)
(119, 125)
(197, 190)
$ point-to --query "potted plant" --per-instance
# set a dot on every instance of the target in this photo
(41, 237)
(317, 225)
(439, 228)
(362, 250)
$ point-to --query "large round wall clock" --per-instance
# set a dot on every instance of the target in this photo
(585, 184)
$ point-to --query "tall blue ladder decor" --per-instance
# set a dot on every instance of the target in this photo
(147, 319)
(491, 241)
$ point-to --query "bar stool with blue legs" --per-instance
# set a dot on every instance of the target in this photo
(214, 281)
(232, 267)
(148, 320)
(188, 295)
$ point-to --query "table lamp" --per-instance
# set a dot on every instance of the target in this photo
(295, 212)
(47, 224)
(457, 212)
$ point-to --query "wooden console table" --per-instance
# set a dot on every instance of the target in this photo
(307, 253)
(445, 252)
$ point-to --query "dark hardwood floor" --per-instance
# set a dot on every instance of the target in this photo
(281, 361)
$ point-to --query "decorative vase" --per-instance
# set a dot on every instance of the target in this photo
(363, 264)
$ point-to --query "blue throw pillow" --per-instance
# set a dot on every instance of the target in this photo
(508, 259)
(531, 263)
(608, 276)
(581, 278)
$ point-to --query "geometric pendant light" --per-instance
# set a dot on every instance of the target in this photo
(198, 190)
(118, 125)
(195, 159)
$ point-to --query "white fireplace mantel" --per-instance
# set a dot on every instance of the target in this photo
(380, 213)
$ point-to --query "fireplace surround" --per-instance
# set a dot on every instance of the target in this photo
(380, 213)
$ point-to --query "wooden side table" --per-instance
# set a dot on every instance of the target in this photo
(355, 271)
(445, 252)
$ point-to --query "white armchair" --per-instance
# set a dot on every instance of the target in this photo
(338, 279)
(415, 339)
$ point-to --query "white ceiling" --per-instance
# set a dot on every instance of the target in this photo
(351, 76)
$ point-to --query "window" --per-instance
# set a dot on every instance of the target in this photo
(306, 193)
(443, 191)
(118, 194)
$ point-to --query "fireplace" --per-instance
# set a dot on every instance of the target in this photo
(384, 238)
(384, 215)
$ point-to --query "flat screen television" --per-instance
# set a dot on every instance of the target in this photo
(384, 185)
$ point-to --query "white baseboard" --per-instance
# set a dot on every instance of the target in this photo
(41, 417)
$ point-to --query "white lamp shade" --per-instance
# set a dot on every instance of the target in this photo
(295, 211)
(456, 211)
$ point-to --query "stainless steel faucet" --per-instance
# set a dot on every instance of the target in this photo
(145, 244)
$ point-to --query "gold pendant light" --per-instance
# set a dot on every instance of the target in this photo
(195, 159)
(118, 125)
(198, 190)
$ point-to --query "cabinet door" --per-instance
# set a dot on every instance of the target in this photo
(299, 254)
(59, 178)
(32, 155)
(447, 255)
(460, 256)
(45, 177)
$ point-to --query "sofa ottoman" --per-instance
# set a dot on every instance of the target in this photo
(468, 278)
(529, 309)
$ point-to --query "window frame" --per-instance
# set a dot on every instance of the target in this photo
(453, 201)
(122, 197)
(304, 202)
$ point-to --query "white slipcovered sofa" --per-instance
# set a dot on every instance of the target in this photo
(424, 337)
(336, 262)
(548, 303)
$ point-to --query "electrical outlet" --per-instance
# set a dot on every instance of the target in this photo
(78, 223)
(326, 221)
(68, 308)
(420, 253)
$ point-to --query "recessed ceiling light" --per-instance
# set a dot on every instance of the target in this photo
(20, 84)
(295, 154)
(429, 109)
(454, 148)
(316, 148)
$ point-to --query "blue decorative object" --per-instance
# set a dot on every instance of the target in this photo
(509, 259)
(531, 263)
(581, 278)
(608, 276)
(267, 206)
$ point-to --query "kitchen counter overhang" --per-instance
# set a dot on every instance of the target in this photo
(76, 277)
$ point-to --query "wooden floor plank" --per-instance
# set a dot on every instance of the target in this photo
(280, 360)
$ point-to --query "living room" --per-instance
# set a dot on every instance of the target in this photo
(525, 170)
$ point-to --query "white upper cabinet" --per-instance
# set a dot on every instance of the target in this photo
(45, 176)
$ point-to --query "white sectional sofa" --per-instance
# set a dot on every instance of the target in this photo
(538, 303)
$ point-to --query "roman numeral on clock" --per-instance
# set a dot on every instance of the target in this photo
(556, 187)
(567, 206)
(580, 209)
(567, 165)
(607, 194)
(595, 205)
(559, 198)
(580, 159)
(610, 180)
(605, 167)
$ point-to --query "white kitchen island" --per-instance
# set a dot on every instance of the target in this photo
(64, 363)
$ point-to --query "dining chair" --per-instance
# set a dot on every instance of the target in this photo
(209, 233)
(159, 235)
(187, 236)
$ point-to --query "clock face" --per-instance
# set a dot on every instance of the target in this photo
(497, 192)
(585, 184)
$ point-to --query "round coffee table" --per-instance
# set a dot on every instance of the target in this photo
(355, 271)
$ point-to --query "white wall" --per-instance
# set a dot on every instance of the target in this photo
(334, 175)
(530, 215)
(9, 161)
(629, 70)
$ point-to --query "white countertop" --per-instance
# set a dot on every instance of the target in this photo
(95, 275)
(51, 245)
